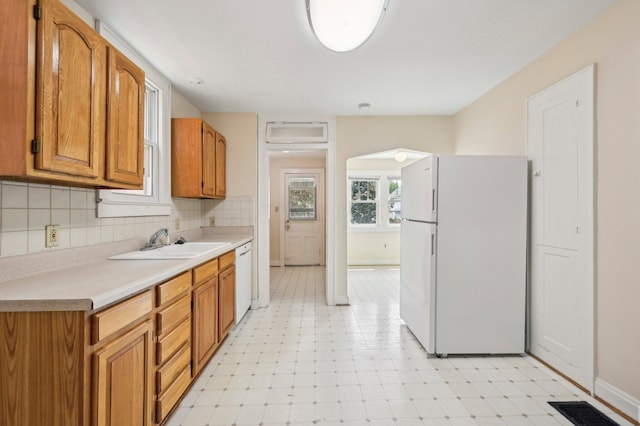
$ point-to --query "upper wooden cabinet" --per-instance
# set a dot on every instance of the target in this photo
(221, 166)
(72, 104)
(198, 160)
(125, 118)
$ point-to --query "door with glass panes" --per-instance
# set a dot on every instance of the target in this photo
(303, 227)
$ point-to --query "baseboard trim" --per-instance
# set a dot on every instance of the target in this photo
(342, 299)
(255, 304)
(618, 399)
(274, 263)
(372, 262)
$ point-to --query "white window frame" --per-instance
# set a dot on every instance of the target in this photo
(157, 201)
(382, 209)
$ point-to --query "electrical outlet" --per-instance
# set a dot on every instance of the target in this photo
(177, 223)
(212, 221)
(52, 232)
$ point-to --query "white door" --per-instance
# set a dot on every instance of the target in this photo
(560, 146)
(303, 226)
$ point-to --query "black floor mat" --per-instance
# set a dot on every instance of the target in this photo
(581, 413)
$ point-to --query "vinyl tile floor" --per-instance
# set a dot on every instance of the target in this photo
(300, 362)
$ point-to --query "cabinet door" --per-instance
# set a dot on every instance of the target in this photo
(71, 69)
(208, 160)
(125, 120)
(227, 300)
(221, 165)
(123, 379)
(205, 323)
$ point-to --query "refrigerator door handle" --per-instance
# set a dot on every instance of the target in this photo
(433, 200)
(433, 245)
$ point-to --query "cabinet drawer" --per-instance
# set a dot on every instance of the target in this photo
(205, 271)
(166, 401)
(168, 374)
(173, 288)
(227, 260)
(169, 344)
(107, 322)
(173, 314)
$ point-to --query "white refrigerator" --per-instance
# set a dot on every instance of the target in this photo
(463, 251)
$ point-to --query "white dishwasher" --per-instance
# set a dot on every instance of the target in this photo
(243, 280)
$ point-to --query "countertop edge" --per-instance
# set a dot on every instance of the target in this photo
(124, 288)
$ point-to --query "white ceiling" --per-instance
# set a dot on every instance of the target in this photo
(426, 57)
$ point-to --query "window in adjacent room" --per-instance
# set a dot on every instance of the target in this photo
(374, 201)
(394, 198)
(364, 200)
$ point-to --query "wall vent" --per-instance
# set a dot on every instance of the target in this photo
(310, 132)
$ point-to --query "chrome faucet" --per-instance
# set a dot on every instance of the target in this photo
(153, 241)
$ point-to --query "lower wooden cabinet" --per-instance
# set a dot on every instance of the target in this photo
(227, 300)
(123, 379)
(205, 316)
(128, 364)
(173, 348)
(122, 363)
(43, 368)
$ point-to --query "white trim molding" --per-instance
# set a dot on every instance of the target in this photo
(619, 399)
(342, 300)
(263, 207)
(377, 262)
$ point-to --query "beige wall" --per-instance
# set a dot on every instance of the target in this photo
(496, 124)
(373, 248)
(357, 136)
(181, 107)
(275, 185)
(240, 130)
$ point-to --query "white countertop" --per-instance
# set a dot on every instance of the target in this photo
(95, 285)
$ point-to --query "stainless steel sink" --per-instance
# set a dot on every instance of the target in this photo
(174, 251)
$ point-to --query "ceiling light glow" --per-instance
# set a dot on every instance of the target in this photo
(343, 25)
(400, 156)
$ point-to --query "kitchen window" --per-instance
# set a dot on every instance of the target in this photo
(374, 202)
(155, 197)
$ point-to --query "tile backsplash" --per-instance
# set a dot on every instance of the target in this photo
(27, 208)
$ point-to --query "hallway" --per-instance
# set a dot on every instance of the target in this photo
(300, 362)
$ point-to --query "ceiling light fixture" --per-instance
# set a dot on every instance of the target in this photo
(400, 156)
(196, 81)
(343, 25)
(364, 106)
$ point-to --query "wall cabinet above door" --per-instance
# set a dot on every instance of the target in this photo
(72, 104)
(198, 160)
